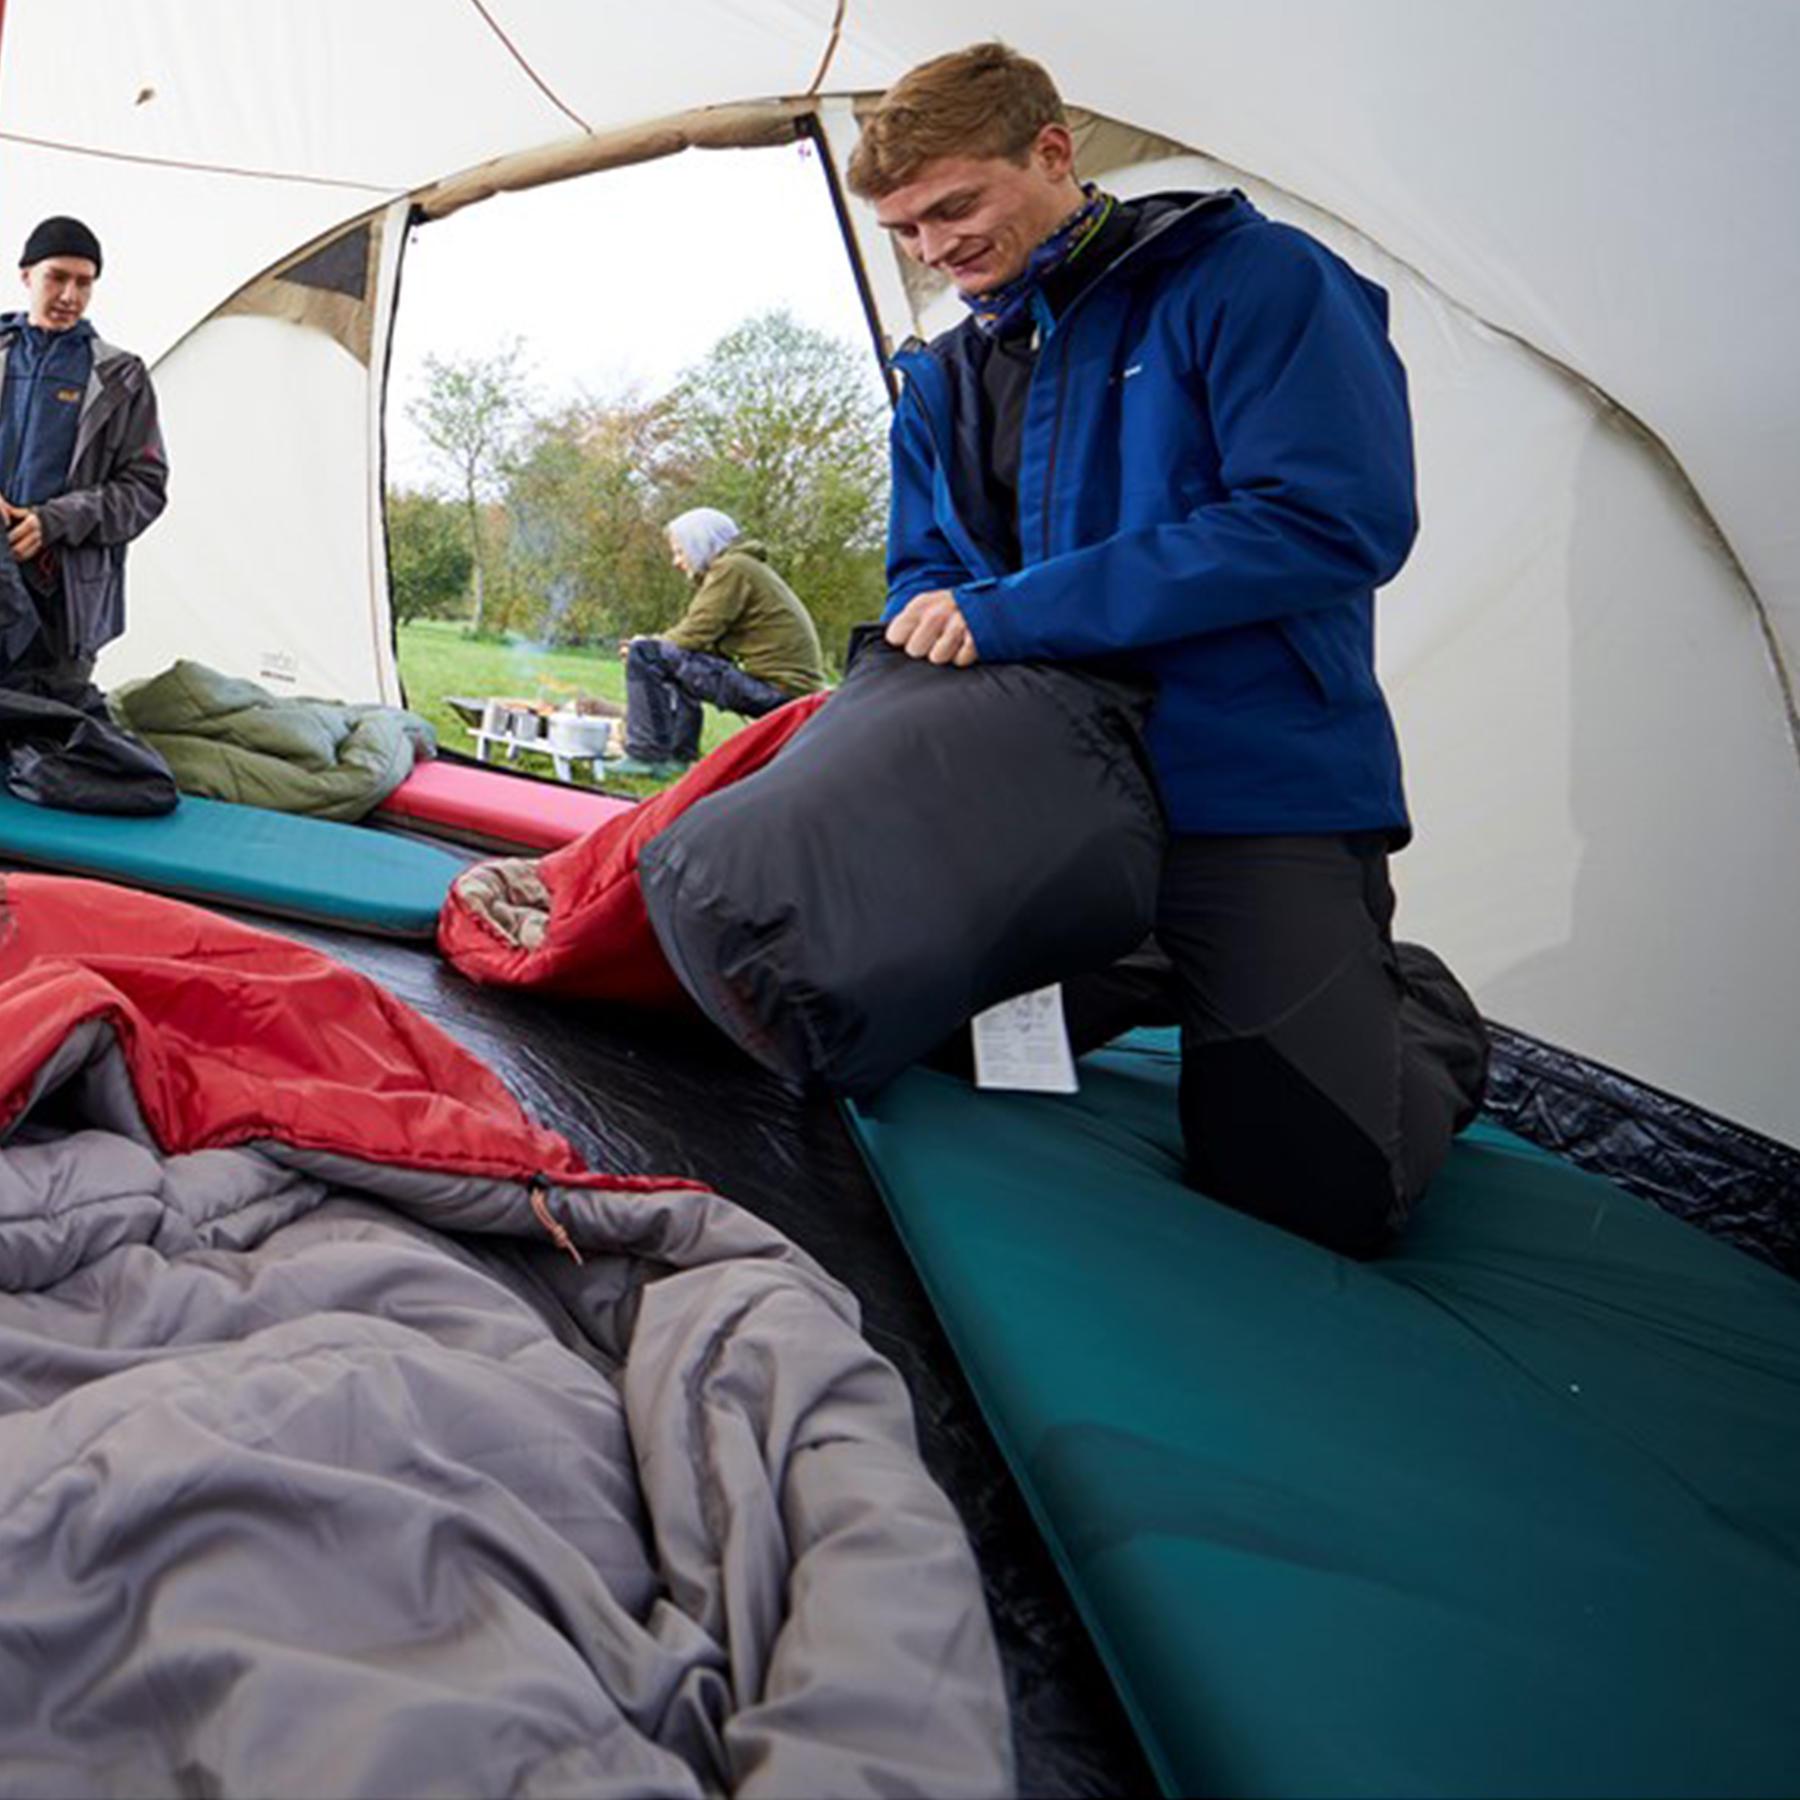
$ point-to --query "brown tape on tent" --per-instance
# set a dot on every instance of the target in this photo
(328, 286)
(753, 125)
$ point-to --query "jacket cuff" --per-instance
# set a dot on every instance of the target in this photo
(996, 636)
(49, 521)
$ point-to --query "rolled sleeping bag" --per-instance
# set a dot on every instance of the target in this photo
(934, 841)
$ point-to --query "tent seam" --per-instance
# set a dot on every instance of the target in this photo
(1659, 447)
(392, 191)
(831, 48)
(517, 55)
(1663, 453)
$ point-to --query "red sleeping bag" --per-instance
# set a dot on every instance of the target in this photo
(573, 922)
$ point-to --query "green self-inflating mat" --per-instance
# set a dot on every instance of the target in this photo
(1514, 1509)
(244, 856)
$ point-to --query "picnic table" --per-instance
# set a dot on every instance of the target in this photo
(509, 726)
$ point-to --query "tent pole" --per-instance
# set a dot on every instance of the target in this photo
(814, 132)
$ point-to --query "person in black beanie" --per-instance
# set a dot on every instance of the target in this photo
(82, 470)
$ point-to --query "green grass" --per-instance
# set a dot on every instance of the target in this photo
(436, 659)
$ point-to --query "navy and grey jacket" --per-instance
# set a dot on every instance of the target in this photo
(1215, 475)
(41, 388)
(117, 485)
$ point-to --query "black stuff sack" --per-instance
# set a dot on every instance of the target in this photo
(71, 757)
(936, 840)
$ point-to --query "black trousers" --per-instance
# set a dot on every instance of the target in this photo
(1324, 1069)
(32, 660)
(664, 688)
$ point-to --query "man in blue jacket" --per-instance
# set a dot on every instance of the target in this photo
(1172, 440)
(82, 470)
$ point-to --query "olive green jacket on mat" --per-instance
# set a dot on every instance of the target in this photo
(743, 610)
(227, 739)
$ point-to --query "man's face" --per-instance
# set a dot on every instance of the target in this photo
(58, 290)
(977, 218)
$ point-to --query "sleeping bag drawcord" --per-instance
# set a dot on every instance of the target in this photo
(540, 1205)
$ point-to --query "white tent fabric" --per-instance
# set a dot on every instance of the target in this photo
(1583, 214)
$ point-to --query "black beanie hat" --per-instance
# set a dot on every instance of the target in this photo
(61, 237)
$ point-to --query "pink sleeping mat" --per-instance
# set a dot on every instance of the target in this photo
(492, 810)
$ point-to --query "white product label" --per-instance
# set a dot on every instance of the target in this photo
(1022, 1043)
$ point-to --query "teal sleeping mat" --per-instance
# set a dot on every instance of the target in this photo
(1513, 1510)
(210, 850)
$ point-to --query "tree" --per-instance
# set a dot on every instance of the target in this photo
(470, 414)
(785, 428)
(583, 502)
(429, 559)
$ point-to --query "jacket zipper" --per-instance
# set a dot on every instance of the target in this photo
(1062, 384)
(1062, 366)
(923, 358)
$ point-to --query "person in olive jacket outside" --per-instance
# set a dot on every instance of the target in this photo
(82, 471)
(746, 643)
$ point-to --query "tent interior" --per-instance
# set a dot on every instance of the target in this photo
(1590, 653)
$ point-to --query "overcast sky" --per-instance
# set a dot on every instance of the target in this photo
(621, 279)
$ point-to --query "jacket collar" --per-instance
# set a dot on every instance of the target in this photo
(13, 324)
(1166, 226)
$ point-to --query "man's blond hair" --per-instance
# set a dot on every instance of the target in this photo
(987, 100)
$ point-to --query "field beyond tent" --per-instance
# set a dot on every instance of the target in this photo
(438, 659)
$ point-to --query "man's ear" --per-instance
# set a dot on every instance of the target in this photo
(1054, 151)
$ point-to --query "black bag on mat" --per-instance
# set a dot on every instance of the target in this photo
(934, 841)
(70, 756)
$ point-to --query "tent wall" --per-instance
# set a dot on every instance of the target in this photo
(271, 560)
(1610, 181)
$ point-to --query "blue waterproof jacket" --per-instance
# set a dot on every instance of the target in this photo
(1215, 475)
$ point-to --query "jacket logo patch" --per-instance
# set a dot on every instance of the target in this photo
(69, 394)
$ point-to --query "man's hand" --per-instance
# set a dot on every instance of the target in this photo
(24, 534)
(931, 625)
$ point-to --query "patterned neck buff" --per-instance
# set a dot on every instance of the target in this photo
(998, 310)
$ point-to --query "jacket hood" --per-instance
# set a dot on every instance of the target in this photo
(1180, 220)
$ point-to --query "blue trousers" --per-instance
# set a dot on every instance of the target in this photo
(665, 689)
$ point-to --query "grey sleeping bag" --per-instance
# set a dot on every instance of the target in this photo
(324, 1475)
